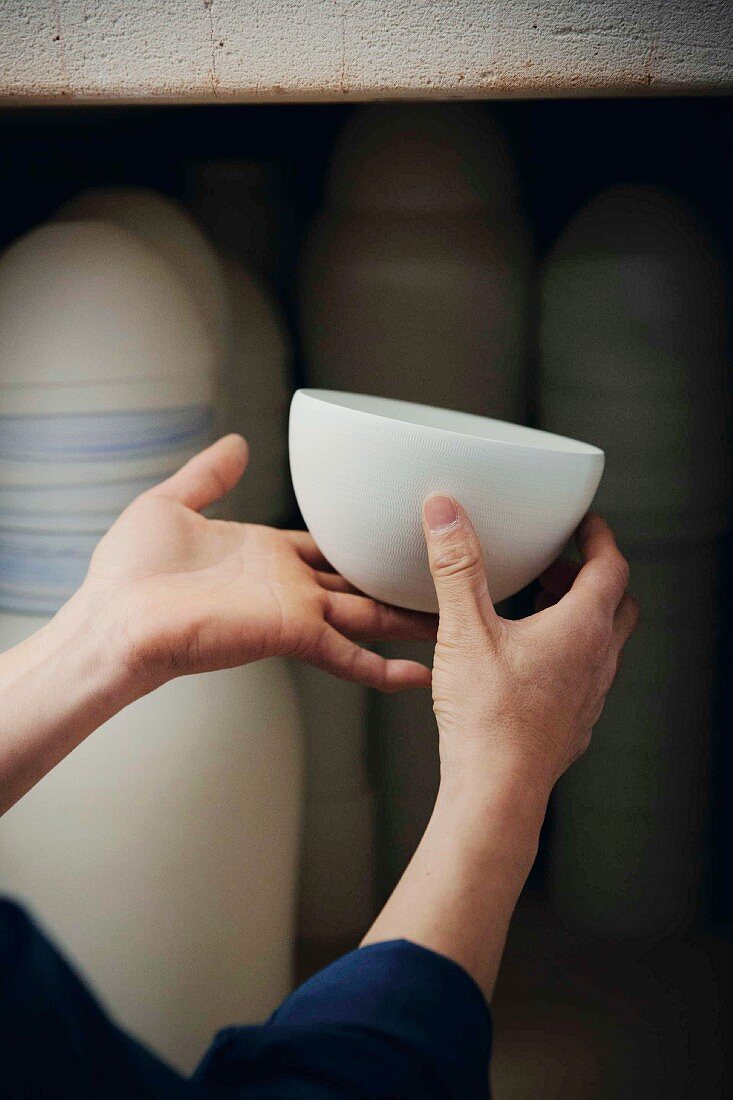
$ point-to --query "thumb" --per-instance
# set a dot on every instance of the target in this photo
(208, 475)
(457, 565)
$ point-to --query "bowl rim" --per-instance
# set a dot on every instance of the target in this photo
(322, 396)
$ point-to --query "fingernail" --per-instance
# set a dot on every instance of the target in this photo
(440, 513)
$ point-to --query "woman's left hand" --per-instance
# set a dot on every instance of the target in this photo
(189, 594)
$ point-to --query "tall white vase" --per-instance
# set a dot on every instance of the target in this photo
(248, 333)
(93, 319)
(162, 853)
(171, 231)
(633, 357)
(415, 285)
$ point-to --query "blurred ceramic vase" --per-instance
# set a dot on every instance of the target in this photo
(164, 817)
(107, 387)
(337, 886)
(92, 319)
(415, 276)
(246, 207)
(249, 337)
(168, 229)
(633, 351)
(631, 817)
(405, 746)
(255, 395)
(64, 479)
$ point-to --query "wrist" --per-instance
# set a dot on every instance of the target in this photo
(484, 776)
(497, 812)
(56, 687)
(90, 627)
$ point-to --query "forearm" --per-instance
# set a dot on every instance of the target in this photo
(459, 892)
(56, 687)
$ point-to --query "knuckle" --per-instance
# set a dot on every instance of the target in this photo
(611, 575)
(466, 647)
(301, 646)
(457, 561)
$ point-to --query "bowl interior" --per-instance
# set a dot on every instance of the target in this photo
(447, 420)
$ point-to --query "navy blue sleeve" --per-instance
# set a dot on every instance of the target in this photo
(56, 1043)
(392, 1020)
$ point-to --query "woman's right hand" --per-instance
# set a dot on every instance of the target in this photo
(521, 697)
(515, 704)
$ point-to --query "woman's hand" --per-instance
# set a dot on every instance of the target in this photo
(188, 594)
(523, 696)
(515, 704)
(169, 592)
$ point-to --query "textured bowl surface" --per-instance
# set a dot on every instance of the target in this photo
(362, 467)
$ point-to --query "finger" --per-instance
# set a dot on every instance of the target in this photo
(334, 582)
(208, 475)
(305, 545)
(456, 564)
(625, 620)
(348, 661)
(602, 579)
(368, 620)
(559, 577)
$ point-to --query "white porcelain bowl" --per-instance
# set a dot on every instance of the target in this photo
(362, 467)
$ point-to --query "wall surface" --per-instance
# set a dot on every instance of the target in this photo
(268, 50)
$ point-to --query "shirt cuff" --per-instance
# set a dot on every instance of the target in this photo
(415, 1017)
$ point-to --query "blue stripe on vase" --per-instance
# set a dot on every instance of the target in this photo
(42, 566)
(38, 572)
(100, 437)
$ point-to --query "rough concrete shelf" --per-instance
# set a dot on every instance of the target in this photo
(195, 51)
